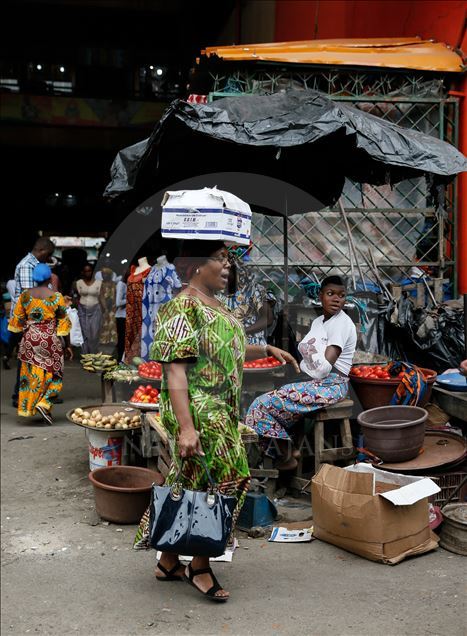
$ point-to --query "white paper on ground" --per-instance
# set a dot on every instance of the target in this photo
(411, 490)
(283, 535)
(227, 557)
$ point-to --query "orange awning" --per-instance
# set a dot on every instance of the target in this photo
(413, 53)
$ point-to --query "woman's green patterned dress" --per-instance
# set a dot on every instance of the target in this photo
(212, 340)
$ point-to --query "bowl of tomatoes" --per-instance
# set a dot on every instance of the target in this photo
(145, 397)
(150, 370)
(262, 364)
(374, 385)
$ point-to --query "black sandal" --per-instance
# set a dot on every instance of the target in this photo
(170, 574)
(46, 416)
(211, 593)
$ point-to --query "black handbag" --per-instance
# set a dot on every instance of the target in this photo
(190, 522)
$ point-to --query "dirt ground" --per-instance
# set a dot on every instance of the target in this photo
(64, 571)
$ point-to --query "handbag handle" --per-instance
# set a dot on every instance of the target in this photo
(202, 460)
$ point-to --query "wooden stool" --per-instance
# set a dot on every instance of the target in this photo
(341, 412)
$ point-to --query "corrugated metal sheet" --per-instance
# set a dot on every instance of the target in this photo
(409, 53)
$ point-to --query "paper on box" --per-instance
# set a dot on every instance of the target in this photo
(411, 489)
(386, 526)
(208, 214)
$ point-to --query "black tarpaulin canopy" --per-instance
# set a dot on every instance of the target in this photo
(301, 137)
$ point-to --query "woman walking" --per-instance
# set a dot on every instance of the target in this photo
(202, 347)
(41, 315)
(88, 290)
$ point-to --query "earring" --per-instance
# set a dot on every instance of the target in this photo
(197, 270)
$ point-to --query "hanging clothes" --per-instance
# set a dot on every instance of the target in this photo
(247, 303)
(134, 313)
(109, 309)
(158, 289)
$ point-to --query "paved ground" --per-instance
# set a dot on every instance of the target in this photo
(65, 572)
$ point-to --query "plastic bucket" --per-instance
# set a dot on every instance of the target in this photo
(123, 493)
(394, 433)
(105, 448)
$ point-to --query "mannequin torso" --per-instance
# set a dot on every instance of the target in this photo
(142, 266)
(162, 261)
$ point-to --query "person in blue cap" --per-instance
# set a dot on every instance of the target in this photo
(40, 315)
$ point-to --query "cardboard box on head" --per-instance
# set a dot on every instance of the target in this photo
(209, 213)
(378, 515)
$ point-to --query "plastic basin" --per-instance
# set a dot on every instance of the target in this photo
(394, 433)
(374, 393)
(122, 493)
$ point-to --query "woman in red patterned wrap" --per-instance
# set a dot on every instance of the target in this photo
(40, 314)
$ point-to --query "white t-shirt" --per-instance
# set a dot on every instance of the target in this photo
(338, 330)
(88, 294)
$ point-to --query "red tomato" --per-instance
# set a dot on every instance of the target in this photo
(372, 376)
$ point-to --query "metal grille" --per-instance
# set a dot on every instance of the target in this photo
(334, 81)
(398, 223)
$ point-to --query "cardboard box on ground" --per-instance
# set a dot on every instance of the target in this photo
(208, 214)
(378, 515)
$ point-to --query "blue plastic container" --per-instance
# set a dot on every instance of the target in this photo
(257, 510)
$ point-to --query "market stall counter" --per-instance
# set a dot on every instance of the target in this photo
(134, 387)
(454, 403)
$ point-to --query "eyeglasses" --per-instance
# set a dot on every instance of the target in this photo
(225, 260)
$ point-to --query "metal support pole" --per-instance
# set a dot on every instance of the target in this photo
(285, 323)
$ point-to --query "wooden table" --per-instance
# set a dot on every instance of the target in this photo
(160, 445)
(454, 403)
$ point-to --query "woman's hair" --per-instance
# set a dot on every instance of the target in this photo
(193, 254)
(88, 264)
